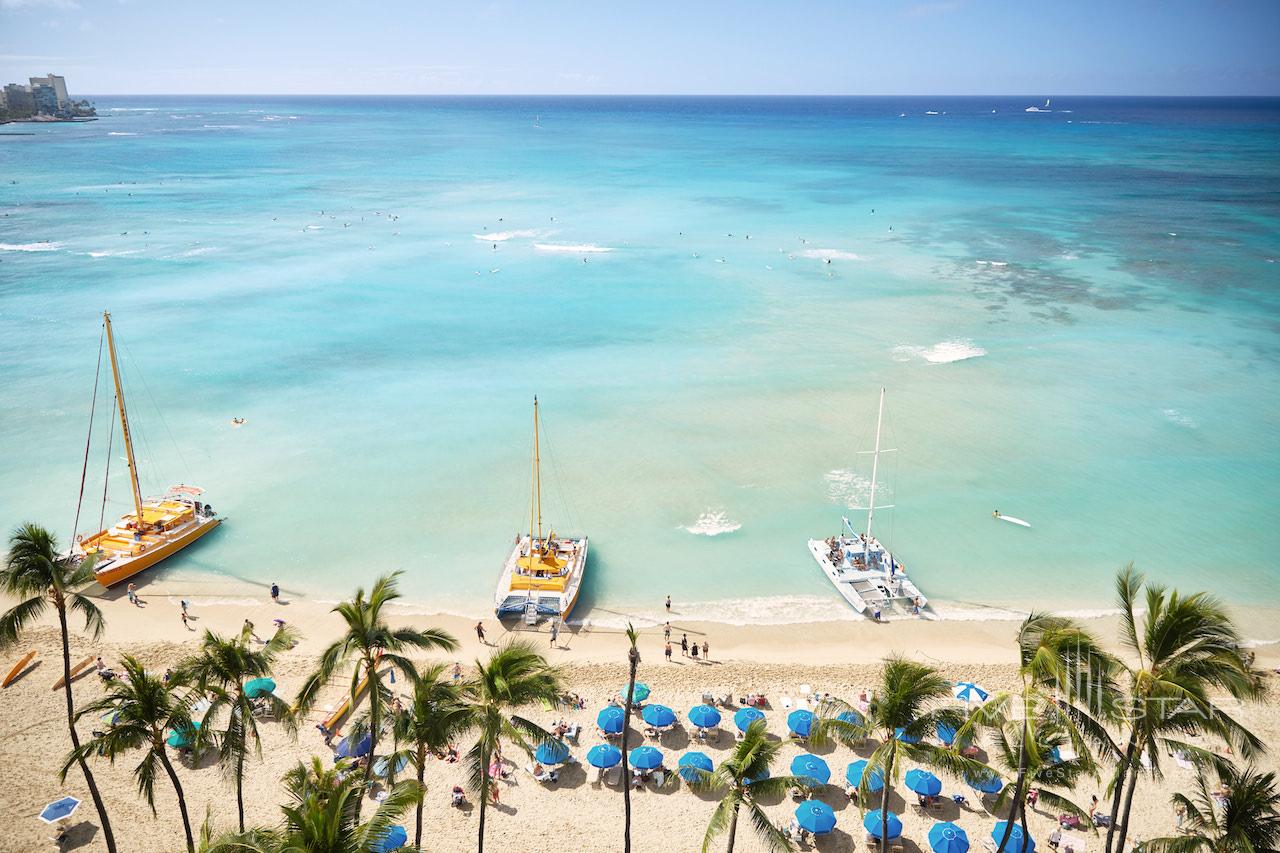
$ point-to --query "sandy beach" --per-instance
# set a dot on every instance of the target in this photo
(840, 658)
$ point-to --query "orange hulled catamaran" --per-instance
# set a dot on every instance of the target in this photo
(158, 527)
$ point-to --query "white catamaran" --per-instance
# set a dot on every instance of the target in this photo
(542, 575)
(862, 570)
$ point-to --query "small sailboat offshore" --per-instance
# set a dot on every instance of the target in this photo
(157, 528)
(863, 570)
(1035, 109)
(543, 575)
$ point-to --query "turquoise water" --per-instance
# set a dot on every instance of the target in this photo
(1075, 315)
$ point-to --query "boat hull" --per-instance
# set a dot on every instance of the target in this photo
(515, 593)
(868, 590)
(114, 570)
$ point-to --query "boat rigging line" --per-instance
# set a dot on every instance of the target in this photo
(93, 406)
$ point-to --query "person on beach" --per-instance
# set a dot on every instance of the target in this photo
(457, 671)
(668, 652)
(666, 632)
(684, 644)
(694, 651)
(480, 632)
(185, 623)
(555, 633)
(706, 650)
(185, 604)
(275, 593)
(668, 604)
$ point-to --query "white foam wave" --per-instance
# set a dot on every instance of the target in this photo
(1253, 644)
(851, 490)
(567, 249)
(830, 255)
(42, 246)
(1179, 418)
(772, 610)
(992, 263)
(133, 109)
(192, 253)
(713, 523)
(503, 236)
(222, 126)
(944, 352)
(116, 254)
(314, 227)
(120, 133)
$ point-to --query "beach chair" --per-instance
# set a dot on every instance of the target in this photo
(611, 775)
(708, 698)
(573, 732)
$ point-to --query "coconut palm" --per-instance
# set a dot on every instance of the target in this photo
(1065, 675)
(1241, 817)
(37, 574)
(515, 676)
(367, 640)
(220, 670)
(323, 816)
(908, 706)
(633, 664)
(433, 718)
(1181, 649)
(744, 777)
(141, 706)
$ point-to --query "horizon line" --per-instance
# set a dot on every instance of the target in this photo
(658, 95)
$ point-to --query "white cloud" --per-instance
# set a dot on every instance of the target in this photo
(32, 4)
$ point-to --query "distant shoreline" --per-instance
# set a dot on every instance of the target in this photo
(48, 120)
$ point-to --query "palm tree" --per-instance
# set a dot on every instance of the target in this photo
(1065, 674)
(633, 664)
(744, 776)
(1245, 818)
(323, 816)
(434, 717)
(1185, 646)
(906, 709)
(35, 572)
(142, 706)
(220, 669)
(368, 639)
(515, 675)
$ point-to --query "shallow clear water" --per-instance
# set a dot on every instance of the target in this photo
(1075, 315)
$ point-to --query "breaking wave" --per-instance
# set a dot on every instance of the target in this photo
(945, 352)
(713, 523)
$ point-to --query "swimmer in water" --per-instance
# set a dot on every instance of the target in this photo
(995, 513)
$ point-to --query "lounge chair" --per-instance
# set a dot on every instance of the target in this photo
(612, 775)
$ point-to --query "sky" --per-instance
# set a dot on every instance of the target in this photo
(855, 47)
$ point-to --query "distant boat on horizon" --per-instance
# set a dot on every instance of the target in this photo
(1035, 109)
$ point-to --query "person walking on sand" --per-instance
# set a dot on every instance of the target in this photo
(668, 651)
(275, 593)
(706, 650)
(185, 623)
(480, 632)
(684, 644)
(666, 632)
(668, 604)
(457, 671)
(694, 651)
(185, 604)
(555, 633)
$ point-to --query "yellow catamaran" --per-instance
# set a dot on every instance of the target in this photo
(158, 527)
(543, 575)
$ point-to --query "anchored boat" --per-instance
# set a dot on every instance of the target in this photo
(543, 574)
(157, 528)
(864, 571)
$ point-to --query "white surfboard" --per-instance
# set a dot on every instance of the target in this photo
(1012, 520)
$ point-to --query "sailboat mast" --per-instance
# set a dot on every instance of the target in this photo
(124, 419)
(875, 467)
(537, 467)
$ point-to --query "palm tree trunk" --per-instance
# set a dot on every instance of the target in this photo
(177, 788)
(484, 794)
(107, 835)
(733, 826)
(884, 794)
(1123, 829)
(422, 761)
(240, 777)
(1121, 772)
(626, 775)
(1018, 795)
(375, 706)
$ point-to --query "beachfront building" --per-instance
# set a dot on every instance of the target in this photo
(57, 84)
(18, 100)
(45, 98)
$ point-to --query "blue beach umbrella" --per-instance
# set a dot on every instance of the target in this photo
(59, 809)
(875, 824)
(603, 755)
(850, 717)
(812, 768)
(854, 774)
(764, 774)
(1055, 756)
(691, 760)
(641, 692)
(380, 766)
(923, 782)
(659, 715)
(259, 687)
(393, 839)
(967, 691)
(745, 717)
(551, 752)
(815, 816)
(348, 749)
(1018, 843)
(946, 734)
(948, 838)
(611, 719)
(183, 738)
(800, 722)
(646, 757)
(704, 716)
(984, 784)
(901, 734)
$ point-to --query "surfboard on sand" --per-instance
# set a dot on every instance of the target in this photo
(19, 668)
(76, 671)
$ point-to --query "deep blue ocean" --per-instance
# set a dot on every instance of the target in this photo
(1075, 313)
